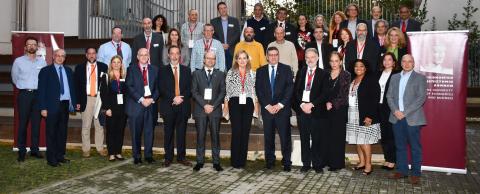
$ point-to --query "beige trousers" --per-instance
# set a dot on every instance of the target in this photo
(87, 117)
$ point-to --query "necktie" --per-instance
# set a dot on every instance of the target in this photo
(62, 89)
(148, 43)
(119, 50)
(281, 25)
(404, 26)
(272, 80)
(144, 73)
(177, 85)
(209, 77)
(93, 80)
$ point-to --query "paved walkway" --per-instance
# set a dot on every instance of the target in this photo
(126, 178)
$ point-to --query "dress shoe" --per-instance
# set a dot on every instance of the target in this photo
(21, 158)
(53, 164)
(137, 161)
(150, 160)
(334, 169)
(86, 154)
(119, 157)
(269, 166)
(64, 160)
(414, 180)
(167, 163)
(305, 168)
(397, 175)
(217, 167)
(103, 153)
(287, 168)
(318, 170)
(185, 162)
(198, 166)
(37, 155)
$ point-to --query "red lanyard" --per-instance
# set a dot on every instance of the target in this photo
(309, 80)
(360, 51)
(118, 85)
(242, 80)
(191, 30)
(207, 46)
(119, 44)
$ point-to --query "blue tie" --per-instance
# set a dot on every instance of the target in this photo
(272, 80)
(62, 90)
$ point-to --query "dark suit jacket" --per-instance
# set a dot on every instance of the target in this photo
(49, 89)
(81, 81)
(283, 89)
(326, 50)
(401, 52)
(167, 89)
(233, 32)
(109, 96)
(317, 92)
(412, 25)
(368, 97)
(135, 88)
(371, 53)
(290, 32)
(156, 48)
(344, 23)
(371, 33)
(199, 83)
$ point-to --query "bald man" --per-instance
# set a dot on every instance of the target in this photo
(151, 41)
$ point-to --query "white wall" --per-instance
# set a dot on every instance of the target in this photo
(7, 21)
(443, 11)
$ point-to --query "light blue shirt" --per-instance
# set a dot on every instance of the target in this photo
(66, 87)
(198, 51)
(404, 76)
(109, 49)
(225, 29)
(25, 72)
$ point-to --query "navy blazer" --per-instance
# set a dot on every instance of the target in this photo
(81, 81)
(283, 88)
(135, 88)
(166, 88)
(49, 89)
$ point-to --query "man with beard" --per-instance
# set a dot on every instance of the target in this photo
(153, 42)
(25, 78)
(253, 48)
(362, 48)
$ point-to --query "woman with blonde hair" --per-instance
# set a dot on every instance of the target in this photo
(334, 28)
(395, 43)
(112, 93)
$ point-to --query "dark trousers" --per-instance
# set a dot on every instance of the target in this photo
(115, 130)
(28, 112)
(56, 129)
(387, 141)
(406, 135)
(142, 123)
(175, 125)
(241, 122)
(335, 138)
(228, 59)
(312, 129)
(282, 123)
(201, 123)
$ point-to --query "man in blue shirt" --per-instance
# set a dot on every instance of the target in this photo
(25, 78)
(115, 47)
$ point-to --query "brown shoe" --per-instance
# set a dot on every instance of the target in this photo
(414, 180)
(86, 154)
(397, 175)
(103, 153)
(185, 162)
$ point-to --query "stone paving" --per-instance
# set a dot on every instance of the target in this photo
(125, 177)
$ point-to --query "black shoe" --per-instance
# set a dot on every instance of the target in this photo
(53, 164)
(150, 160)
(217, 167)
(269, 166)
(198, 166)
(119, 157)
(64, 160)
(287, 168)
(388, 168)
(333, 169)
(318, 170)
(305, 168)
(358, 168)
(137, 161)
(36, 155)
(21, 158)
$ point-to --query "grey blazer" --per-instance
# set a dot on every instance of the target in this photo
(413, 98)
(199, 83)
(233, 32)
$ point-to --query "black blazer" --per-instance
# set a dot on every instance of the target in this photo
(317, 92)
(371, 33)
(167, 89)
(156, 48)
(233, 32)
(401, 51)
(326, 50)
(412, 25)
(283, 89)
(368, 94)
(81, 81)
(377, 77)
(290, 32)
(371, 53)
(344, 23)
(109, 97)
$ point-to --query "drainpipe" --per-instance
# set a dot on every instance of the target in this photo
(21, 15)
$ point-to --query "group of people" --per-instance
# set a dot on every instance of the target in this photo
(352, 81)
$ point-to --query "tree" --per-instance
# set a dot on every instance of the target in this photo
(468, 23)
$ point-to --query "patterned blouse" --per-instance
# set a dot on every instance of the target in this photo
(338, 90)
(234, 84)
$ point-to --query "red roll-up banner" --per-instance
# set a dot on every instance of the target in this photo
(442, 56)
(47, 43)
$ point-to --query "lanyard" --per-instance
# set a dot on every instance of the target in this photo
(118, 86)
(207, 46)
(360, 51)
(191, 30)
(243, 78)
(119, 45)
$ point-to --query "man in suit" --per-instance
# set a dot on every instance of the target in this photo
(323, 48)
(309, 96)
(227, 31)
(362, 48)
(352, 21)
(405, 23)
(208, 91)
(115, 47)
(87, 76)
(376, 14)
(142, 91)
(290, 30)
(56, 98)
(406, 96)
(174, 86)
(153, 42)
(274, 88)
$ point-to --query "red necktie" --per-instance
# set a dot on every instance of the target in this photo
(148, 43)
(145, 83)
(404, 26)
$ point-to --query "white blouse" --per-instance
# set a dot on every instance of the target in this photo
(383, 82)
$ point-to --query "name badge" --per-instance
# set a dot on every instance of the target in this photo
(147, 91)
(207, 95)
(122, 80)
(306, 96)
(190, 43)
(242, 99)
(262, 28)
(119, 98)
(155, 45)
(230, 25)
(288, 33)
(335, 43)
(39, 67)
